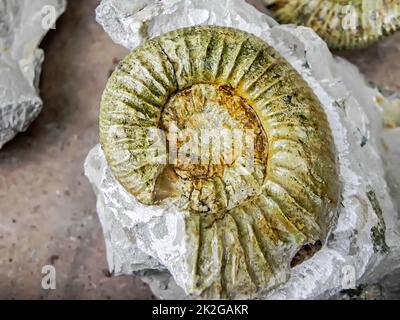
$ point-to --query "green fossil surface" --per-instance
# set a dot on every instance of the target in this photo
(343, 24)
(245, 226)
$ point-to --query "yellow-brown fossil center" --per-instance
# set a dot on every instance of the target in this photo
(208, 127)
(213, 135)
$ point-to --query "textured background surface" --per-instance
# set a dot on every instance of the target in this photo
(47, 207)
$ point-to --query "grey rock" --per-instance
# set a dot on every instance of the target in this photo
(23, 24)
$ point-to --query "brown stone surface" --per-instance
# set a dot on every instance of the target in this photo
(48, 210)
(47, 207)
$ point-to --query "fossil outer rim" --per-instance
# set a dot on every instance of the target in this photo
(253, 243)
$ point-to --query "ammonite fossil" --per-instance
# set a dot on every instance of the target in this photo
(343, 24)
(250, 221)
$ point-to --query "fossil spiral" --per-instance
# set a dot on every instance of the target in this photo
(343, 24)
(247, 225)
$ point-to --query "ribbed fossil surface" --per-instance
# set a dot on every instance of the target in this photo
(246, 225)
(343, 24)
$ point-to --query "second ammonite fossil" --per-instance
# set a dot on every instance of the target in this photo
(343, 24)
(247, 228)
